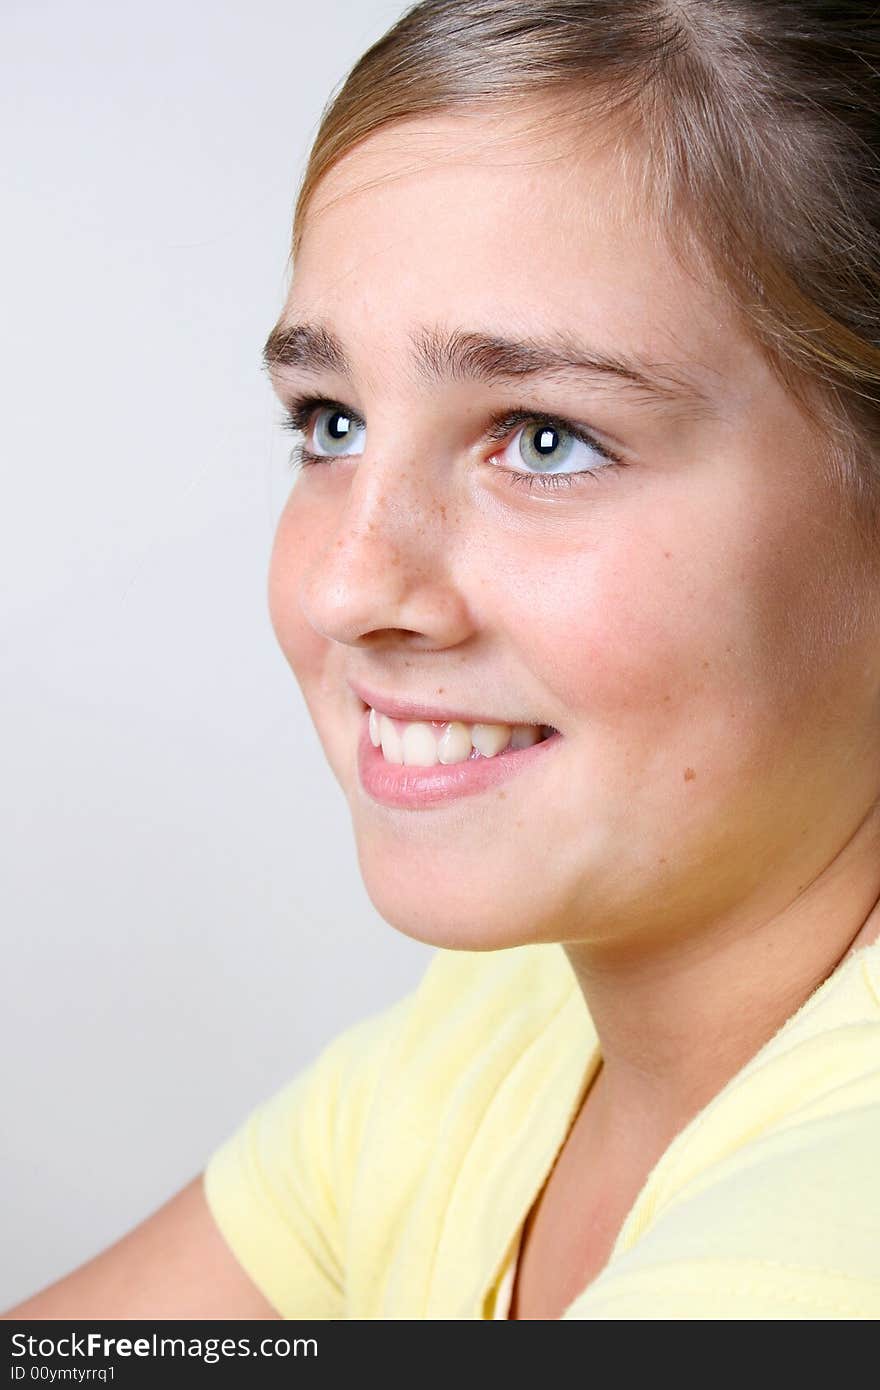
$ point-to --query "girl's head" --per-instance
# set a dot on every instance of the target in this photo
(584, 314)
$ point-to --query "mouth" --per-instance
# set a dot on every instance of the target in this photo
(417, 764)
(427, 743)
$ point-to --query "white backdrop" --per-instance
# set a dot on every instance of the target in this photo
(183, 918)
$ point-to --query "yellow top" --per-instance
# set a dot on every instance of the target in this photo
(391, 1177)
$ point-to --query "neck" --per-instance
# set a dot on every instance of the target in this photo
(677, 1020)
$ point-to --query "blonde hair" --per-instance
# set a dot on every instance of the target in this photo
(757, 126)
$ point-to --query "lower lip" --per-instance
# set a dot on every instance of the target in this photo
(416, 788)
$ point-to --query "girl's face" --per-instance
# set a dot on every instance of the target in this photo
(684, 616)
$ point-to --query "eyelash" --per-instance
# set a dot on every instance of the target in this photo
(300, 409)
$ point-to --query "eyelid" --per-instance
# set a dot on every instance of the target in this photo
(300, 409)
(502, 424)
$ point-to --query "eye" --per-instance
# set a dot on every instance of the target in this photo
(553, 450)
(328, 430)
(335, 432)
(547, 450)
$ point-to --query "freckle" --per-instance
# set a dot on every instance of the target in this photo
(689, 774)
(666, 698)
(502, 796)
(663, 859)
(705, 665)
(668, 554)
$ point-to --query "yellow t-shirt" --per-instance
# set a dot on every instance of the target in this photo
(391, 1177)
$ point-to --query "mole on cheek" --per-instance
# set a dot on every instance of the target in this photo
(689, 774)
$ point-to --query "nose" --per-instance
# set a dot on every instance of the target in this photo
(385, 570)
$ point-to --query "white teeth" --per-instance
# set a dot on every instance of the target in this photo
(418, 745)
(455, 745)
(490, 739)
(392, 748)
(375, 732)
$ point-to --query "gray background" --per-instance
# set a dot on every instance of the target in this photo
(184, 922)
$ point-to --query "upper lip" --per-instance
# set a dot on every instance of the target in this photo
(413, 709)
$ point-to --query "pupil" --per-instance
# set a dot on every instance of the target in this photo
(338, 425)
(547, 440)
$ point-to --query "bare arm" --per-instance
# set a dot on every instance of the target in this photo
(174, 1265)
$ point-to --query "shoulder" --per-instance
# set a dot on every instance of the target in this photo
(785, 1156)
(790, 1228)
(472, 1047)
(407, 1060)
(472, 1013)
(462, 1000)
(766, 1206)
(468, 993)
(323, 1177)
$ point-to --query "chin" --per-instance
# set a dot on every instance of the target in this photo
(457, 918)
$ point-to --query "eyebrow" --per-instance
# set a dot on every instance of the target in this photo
(458, 354)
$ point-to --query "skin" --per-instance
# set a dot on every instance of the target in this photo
(698, 624)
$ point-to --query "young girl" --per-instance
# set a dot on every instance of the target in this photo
(580, 579)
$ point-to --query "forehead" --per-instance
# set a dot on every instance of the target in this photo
(497, 219)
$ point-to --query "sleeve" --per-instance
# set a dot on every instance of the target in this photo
(277, 1187)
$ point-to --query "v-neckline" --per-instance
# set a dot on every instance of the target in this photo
(577, 1061)
(584, 1058)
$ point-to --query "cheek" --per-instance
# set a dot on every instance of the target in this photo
(297, 538)
(660, 636)
(624, 628)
